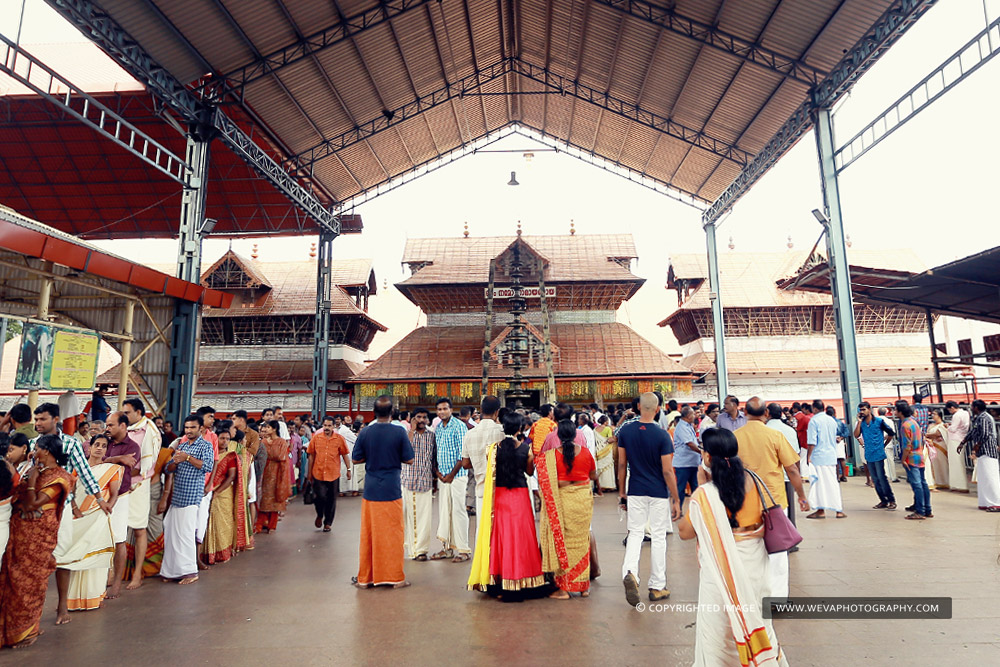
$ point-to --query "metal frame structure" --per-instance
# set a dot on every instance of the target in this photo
(321, 331)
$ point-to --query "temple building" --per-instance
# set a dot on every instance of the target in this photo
(780, 343)
(531, 318)
(259, 351)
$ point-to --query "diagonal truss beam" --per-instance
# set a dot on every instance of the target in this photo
(632, 111)
(119, 45)
(884, 33)
(668, 19)
(234, 83)
(954, 70)
(23, 67)
(446, 93)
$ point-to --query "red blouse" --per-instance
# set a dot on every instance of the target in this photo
(583, 463)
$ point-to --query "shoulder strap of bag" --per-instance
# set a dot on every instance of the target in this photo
(758, 482)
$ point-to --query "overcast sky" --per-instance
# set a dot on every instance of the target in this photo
(930, 187)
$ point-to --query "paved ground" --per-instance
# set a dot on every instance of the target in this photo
(289, 601)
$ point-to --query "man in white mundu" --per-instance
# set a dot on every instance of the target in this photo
(142, 430)
(821, 437)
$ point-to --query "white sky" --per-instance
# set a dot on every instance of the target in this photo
(930, 187)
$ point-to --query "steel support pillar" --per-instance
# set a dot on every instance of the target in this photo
(184, 334)
(321, 331)
(718, 327)
(840, 270)
(126, 363)
(934, 355)
(44, 297)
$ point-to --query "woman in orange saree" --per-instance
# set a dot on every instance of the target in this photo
(564, 478)
(34, 529)
(276, 486)
(227, 520)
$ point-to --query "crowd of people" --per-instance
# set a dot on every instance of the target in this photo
(109, 502)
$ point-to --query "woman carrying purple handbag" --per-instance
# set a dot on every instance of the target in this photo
(779, 532)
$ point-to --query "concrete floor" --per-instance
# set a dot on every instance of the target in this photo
(290, 601)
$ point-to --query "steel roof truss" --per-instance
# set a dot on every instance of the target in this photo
(413, 108)
(112, 38)
(887, 30)
(74, 101)
(710, 35)
(632, 111)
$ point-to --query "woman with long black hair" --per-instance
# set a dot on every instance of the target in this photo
(726, 515)
(565, 476)
(507, 562)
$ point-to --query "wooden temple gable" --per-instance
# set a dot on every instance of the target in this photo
(350, 330)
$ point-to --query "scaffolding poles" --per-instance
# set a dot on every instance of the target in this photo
(840, 276)
(184, 342)
(321, 332)
(488, 331)
(718, 326)
(126, 363)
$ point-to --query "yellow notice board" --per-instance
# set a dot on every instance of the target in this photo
(57, 358)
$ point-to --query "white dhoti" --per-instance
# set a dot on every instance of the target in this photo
(4, 528)
(180, 553)
(138, 506)
(453, 518)
(606, 472)
(778, 573)
(805, 469)
(824, 489)
(890, 462)
(203, 510)
(417, 522)
(958, 479)
(119, 518)
(88, 558)
(988, 482)
(346, 485)
(359, 477)
(252, 485)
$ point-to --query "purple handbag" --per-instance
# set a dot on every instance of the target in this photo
(779, 532)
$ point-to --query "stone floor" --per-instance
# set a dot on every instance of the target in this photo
(290, 601)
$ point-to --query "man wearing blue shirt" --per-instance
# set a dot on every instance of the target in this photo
(453, 517)
(821, 438)
(645, 450)
(875, 435)
(687, 453)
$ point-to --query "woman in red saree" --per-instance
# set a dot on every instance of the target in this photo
(276, 486)
(228, 529)
(34, 529)
(565, 477)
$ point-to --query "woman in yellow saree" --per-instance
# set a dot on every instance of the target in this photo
(606, 454)
(565, 476)
(506, 563)
(724, 513)
(88, 556)
(228, 527)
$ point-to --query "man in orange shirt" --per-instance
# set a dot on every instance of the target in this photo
(326, 451)
(539, 431)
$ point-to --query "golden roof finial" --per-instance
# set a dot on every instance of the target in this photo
(732, 246)
(312, 250)
(572, 228)
(518, 227)
(253, 253)
(790, 244)
(466, 232)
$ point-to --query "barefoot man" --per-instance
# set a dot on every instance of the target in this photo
(191, 461)
(143, 431)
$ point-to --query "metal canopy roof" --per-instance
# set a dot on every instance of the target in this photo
(361, 92)
(968, 287)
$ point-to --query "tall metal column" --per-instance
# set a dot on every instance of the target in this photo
(126, 363)
(184, 333)
(840, 270)
(44, 297)
(718, 327)
(321, 330)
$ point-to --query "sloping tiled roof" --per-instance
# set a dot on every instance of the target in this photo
(255, 372)
(585, 350)
(749, 279)
(572, 258)
(248, 265)
(876, 360)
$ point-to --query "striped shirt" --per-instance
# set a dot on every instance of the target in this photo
(76, 463)
(984, 434)
(449, 439)
(419, 476)
(912, 439)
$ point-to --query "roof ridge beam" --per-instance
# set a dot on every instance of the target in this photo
(710, 35)
(633, 112)
(387, 119)
(884, 33)
(133, 58)
(234, 82)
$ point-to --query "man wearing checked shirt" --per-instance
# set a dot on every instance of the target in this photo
(47, 423)
(453, 518)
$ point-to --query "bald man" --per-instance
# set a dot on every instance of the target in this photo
(766, 452)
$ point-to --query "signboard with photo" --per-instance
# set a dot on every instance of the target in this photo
(56, 358)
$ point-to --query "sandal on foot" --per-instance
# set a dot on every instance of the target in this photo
(441, 555)
(461, 558)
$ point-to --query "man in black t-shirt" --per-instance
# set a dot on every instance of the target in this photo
(645, 449)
